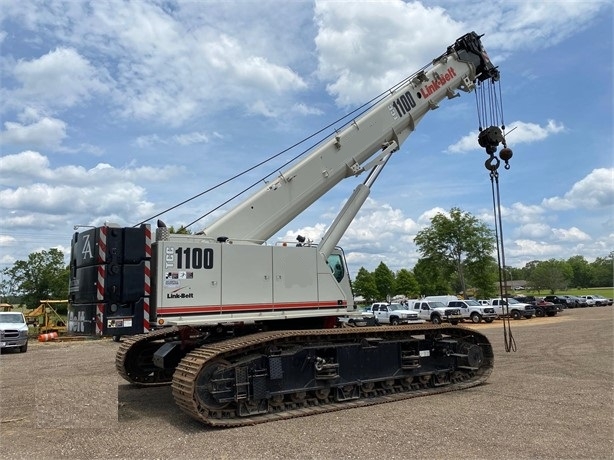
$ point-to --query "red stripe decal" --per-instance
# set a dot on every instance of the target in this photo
(247, 308)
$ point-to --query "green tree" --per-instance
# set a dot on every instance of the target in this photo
(552, 275)
(483, 277)
(406, 284)
(364, 285)
(527, 272)
(603, 271)
(180, 230)
(431, 277)
(581, 272)
(455, 241)
(8, 288)
(384, 280)
(43, 276)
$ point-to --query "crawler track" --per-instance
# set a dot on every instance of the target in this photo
(133, 360)
(251, 379)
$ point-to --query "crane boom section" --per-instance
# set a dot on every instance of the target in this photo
(346, 153)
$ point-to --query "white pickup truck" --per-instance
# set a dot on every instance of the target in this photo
(393, 313)
(514, 308)
(13, 331)
(435, 311)
(473, 310)
(595, 300)
(470, 309)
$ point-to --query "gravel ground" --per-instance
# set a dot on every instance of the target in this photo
(552, 398)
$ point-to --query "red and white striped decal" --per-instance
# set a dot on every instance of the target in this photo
(147, 287)
(99, 316)
(102, 257)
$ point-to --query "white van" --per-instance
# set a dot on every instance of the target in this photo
(444, 299)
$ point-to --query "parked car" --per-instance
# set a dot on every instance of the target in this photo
(593, 300)
(13, 331)
(542, 307)
(471, 309)
(393, 313)
(435, 311)
(602, 300)
(564, 300)
(513, 308)
(579, 301)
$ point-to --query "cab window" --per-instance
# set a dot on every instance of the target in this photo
(335, 262)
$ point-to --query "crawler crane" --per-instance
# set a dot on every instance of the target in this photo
(245, 331)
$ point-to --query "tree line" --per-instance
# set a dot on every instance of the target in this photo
(455, 258)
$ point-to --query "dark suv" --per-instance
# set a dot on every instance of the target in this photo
(559, 299)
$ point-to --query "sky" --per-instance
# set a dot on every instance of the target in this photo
(114, 111)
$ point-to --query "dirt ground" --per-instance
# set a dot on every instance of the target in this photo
(551, 398)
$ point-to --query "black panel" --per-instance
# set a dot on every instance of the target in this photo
(82, 319)
(118, 270)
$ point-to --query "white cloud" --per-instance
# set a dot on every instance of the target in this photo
(592, 192)
(7, 259)
(522, 213)
(60, 78)
(311, 233)
(14, 168)
(191, 138)
(32, 167)
(262, 108)
(379, 233)
(518, 132)
(527, 250)
(148, 141)
(45, 132)
(7, 240)
(183, 139)
(163, 64)
(522, 25)
(425, 217)
(570, 234)
(541, 231)
(534, 230)
(304, 109)
(366, 47)
(35, 189)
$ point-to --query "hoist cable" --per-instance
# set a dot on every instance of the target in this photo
(490, 114)
(510, 342)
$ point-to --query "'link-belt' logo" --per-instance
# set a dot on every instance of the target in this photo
(183, 295)
(438, 82)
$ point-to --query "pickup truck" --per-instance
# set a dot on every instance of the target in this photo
(393, 313)
(473, 310)
(13, 331)
(514, 308)
(596, 300)
(435, 311)
(542, 307)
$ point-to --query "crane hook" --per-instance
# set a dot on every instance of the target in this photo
(492, 164)
(506, 154)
